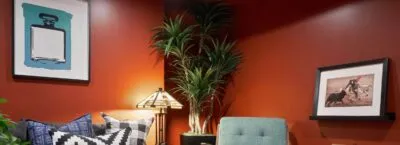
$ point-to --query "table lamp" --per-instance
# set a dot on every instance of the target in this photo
(160, 100)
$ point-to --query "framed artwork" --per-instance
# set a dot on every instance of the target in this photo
(355, 91)
(51, 39)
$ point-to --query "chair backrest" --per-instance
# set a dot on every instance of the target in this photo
(252, 131)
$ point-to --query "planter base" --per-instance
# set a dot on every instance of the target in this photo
(197, 140)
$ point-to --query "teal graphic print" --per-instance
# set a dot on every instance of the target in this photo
(47, 37)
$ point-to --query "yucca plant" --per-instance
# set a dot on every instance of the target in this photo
(6, 138)
(202, 62)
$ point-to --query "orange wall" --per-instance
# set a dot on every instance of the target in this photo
(122, 69)
(285, 41)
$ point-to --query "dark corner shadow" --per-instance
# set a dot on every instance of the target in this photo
(49, 81)
(254, 17)
(159, 58)
(292, 139)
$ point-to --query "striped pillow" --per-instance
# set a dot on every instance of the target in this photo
(140, 128)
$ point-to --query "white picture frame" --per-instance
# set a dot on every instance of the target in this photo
(51, 40)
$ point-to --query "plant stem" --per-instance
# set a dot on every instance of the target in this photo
(201, 43)
(210, 114)
(191, 119)
(194, 118)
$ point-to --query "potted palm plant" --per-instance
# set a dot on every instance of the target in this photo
(203, 60)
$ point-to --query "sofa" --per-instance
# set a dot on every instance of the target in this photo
(20, 130)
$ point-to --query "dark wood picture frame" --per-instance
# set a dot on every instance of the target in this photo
(384, 115)
(26, 77)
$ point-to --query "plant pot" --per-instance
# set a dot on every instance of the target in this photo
(197, 139)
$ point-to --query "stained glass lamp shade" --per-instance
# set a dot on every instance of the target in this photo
(159, 100)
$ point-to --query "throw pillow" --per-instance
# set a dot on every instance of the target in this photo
(38, 133)
(140, 128)
(118, 138)
(20, 130)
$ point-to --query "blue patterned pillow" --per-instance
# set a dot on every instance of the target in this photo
(38, 132)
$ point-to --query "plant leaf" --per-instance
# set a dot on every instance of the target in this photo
(2, 100)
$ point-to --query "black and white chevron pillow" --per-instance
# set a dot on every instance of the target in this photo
(140, 128)
(118, 138)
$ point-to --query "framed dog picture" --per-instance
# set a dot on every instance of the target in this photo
(354, 91)
(51, 39)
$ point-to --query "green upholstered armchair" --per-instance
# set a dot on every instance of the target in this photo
(252, 131)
